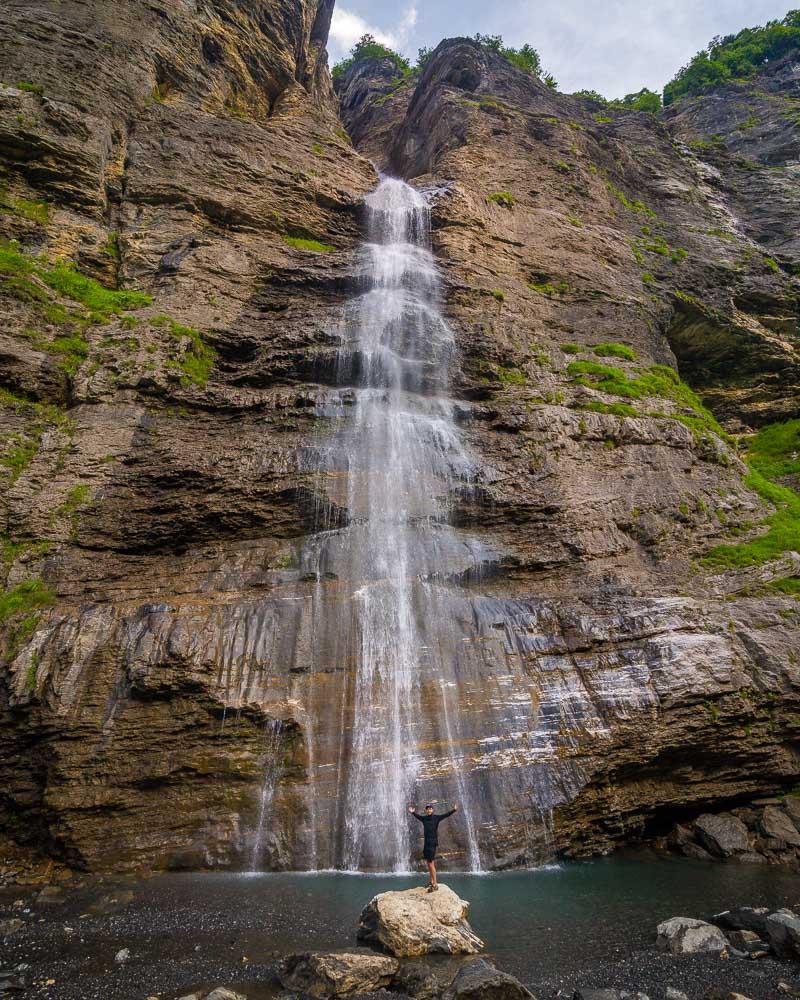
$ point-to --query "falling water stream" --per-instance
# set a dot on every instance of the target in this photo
(408, 685)
(403, 457)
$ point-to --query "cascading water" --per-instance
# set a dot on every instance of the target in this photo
(402, 456)
(403, 682)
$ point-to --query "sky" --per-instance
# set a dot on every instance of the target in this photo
(615, 48)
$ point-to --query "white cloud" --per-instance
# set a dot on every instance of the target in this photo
(347, 27)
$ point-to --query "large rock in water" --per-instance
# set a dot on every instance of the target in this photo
(687, 936)
(418, 922)
(335, 974)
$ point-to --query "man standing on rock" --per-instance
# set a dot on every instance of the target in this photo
(430, 824)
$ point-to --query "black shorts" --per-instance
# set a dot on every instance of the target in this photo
(428, 852)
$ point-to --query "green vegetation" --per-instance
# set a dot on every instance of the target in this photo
(504, 198)
(77, 497)
(548, 288)
(18, 453)
(18, 269)
(772, 264)
(571, 348)
(657, 381)
(618, 409)
(789, 585)
(299, 243)
(198, 358)
(653, 243)
(735, 57)
(642, 100)
(367, 47)
(31, 88)
(614, 350)
(511, 376)
(783, 528)
(525, 58)
(499, 294)
(775, 450)
(23, 598)
(633, 206)
(33, 211)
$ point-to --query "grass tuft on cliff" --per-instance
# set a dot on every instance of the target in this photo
(782, 534)
(775, 450)
(610, 349)
(299, 243)
(24, 598)
(17, 269)
(198, 357)
(657, 381)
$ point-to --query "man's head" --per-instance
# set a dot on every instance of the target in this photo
(429, 808)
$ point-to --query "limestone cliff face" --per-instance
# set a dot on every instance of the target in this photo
(159, 616)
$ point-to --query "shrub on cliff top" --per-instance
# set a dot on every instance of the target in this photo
(735, 57)
(525, 58)
(368, 47)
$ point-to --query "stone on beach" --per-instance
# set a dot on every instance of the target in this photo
(783, 931)
(416, 922)
(687, 936)
(332, 974)
(480, 980)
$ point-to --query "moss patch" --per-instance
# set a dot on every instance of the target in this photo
(782, 534)
(611, 349)
(299, 243)
(198, 357)
(775, 450)
(504, 198)
(23, 598)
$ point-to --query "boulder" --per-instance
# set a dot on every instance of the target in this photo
(223, 993)
(416, 922)
(673, 994)
(480, 980)
(722, 834)
(427, 979)
(748, 942)
(783, 931)
(792, 806)
(743, 918)
(687, 936)
(335, 974)
(777, 824)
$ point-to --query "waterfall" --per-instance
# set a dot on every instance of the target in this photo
(401, 456)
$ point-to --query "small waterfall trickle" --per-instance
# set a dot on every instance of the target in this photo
(272, 768)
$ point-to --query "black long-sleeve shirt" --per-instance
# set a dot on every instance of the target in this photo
(430, 826)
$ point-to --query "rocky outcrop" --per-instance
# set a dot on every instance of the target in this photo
(758, 833)
(337, 973)
(165, 641)
(417, 922)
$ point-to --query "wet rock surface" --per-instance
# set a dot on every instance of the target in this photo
(159, 482)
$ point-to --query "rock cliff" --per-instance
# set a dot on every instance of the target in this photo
(179, 210)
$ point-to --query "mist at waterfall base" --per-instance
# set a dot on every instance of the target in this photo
(587, 924)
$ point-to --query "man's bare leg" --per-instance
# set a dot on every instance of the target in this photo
(432, 872)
